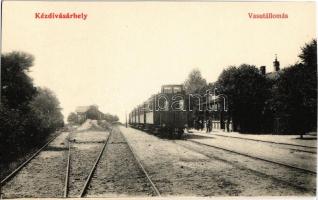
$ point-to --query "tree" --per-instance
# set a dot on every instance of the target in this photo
(46, 107)
(194, 85)
(11, 129)
(308, 55)
(17, 88)
(17, 91)
(295, 92)
(72, 118)
(195, 82)
(110, 118)
(246, 91)
(27, 114)
(93, 113)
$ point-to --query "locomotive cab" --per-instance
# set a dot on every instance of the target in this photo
(172, 89)
(173, 118)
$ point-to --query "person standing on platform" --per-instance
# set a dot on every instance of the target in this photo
(208, 125)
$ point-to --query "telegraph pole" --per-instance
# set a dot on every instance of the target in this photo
(126, 119)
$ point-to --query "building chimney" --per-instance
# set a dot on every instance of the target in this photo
(276, 64)
(263, 70)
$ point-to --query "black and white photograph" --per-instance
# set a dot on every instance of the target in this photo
(148, 99)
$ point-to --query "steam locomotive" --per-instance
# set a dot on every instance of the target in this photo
(163, 113)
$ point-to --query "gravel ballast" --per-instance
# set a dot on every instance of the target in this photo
(43, 176)
(85, 148)
(183, 168)
(118, 174)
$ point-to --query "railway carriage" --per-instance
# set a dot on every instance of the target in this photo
(163, 113)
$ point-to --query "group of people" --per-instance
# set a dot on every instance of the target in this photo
(200, 124)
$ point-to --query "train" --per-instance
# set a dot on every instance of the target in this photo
(163, 113)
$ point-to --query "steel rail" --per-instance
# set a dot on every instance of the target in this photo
(246, 168)
(67, 170)
(141, 166)
(11, 175)
(281, 143)
(254, 157)
(83, 191)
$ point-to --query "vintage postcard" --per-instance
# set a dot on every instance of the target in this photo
(148, 99)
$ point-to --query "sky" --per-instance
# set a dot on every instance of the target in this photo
(124, 51)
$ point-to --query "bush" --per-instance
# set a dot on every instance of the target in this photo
(28, 115)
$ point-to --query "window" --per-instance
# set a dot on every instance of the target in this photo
(167, 90)
(176, 89)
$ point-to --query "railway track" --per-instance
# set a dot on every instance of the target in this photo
(85, 188)
(271, 142)
(88, 179)
(14, 172)
(67, 170)
(254, 157)
(246, 168)
(141, 167)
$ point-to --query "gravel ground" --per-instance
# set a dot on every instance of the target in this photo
(177, 167)
(292, 149)
(118, 174)
(6, 167)
(303, 182)
(181, 168)
(308, 140)
(85, 148)
(43, 176)
(262, 150)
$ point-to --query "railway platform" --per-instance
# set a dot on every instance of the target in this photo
(309, 140)
(285, 150)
